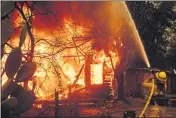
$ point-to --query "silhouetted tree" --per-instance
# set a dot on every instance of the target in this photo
(155, 22)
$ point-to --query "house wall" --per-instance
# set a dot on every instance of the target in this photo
(133, 82)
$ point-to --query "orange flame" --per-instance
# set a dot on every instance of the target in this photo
(96, 73)
(67, 62)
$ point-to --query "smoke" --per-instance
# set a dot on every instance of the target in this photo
(107, 22)
(57, 12)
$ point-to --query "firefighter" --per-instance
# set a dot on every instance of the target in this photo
(160, 85)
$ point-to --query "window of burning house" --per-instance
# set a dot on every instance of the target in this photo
(96, 73)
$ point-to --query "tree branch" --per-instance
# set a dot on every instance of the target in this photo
(29, 32)
(77, 76)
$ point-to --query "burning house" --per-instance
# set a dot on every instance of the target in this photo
(76, 47)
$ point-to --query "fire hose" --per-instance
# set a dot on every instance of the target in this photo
(149, 98)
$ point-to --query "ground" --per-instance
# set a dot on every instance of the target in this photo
(137, 105)
(105, 109)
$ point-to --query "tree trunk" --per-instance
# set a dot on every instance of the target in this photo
(120, 82)
(56, 105)
(120, 77)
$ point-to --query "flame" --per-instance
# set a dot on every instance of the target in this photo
(66, 62)
(17, 17)
(96, 73)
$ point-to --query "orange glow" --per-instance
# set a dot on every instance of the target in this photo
(96, 73)
(68, 62)
(18, 21)
(37, 105)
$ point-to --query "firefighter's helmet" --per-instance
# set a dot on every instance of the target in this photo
(161, 76)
